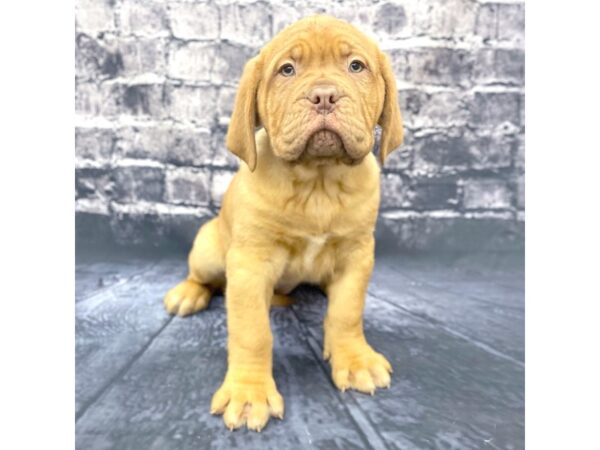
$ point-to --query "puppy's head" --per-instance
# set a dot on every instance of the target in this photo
(318, 88)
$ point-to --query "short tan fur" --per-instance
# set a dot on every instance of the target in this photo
(302, 209)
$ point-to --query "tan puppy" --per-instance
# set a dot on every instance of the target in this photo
(302, 209)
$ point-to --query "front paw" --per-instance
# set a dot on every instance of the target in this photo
(358, 366)
(247, 397)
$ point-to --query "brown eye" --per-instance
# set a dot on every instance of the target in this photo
(287, 70)
(356, 66)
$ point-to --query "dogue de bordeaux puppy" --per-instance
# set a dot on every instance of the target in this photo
(301, 209)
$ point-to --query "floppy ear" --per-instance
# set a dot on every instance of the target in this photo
(244, 119)
(390, 119)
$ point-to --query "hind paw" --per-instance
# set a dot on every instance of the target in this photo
(188, 297)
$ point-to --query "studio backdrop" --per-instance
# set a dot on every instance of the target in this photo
(156, 80)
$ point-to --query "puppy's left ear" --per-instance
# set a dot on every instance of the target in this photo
(390, 120)
(244, 119)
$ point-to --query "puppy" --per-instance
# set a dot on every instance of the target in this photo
(302, 209)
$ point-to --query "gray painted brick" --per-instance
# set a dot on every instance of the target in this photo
(486, 194)
(520, 153)
(193, 104)
(192, 61)
(222, 157)
(168, 144)
(144, 18)
(93, 183)
(285, 14)
(439, 66)
(494, 109)
(225, 100)
(391, 19)
(394, 191)
(511, 22)
(93, 60)
(362, 14)
(433, 193)
(400, 158)
(492, 151)
(219, 183)
(94, 16)
(246, 23)
(439, 152)
(96, 144)
(434, 110)
(117, 99)
(135, 183)
(147, 100)
(459, 149)
(98, 100)
(187, 186)
(110, 57)
(399, 61)
(449, 18)
(142, 56)
(520, 192)
(194, 20)
(500, 66)
(156, 80)
(229, 62)
(189, 147)
(501, 22)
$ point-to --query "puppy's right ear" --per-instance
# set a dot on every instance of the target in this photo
(244, 119)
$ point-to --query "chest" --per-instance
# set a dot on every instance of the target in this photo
(311, 260)
(311, 248)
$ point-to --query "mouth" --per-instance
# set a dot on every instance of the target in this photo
(325, 147)
(324, 143)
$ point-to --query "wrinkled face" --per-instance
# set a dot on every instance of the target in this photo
(318, 88)
(321, 92)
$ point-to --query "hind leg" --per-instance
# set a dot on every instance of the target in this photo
(206, 273)
(282, 300)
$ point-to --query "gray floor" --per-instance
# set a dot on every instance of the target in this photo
(451, 325)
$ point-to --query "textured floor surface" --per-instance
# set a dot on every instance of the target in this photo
(451, 325)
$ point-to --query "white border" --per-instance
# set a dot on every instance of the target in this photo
(563, 169)
(562, 226)
(37, 186)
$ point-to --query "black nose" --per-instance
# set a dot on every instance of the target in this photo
(324, 98)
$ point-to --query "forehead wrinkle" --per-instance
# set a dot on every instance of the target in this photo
(344, 48)
(295, 51)
(325, 43)
(363, 49)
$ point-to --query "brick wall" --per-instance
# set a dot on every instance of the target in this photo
(155, 82)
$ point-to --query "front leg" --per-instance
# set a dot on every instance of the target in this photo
(248, 394)
(354, 363)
